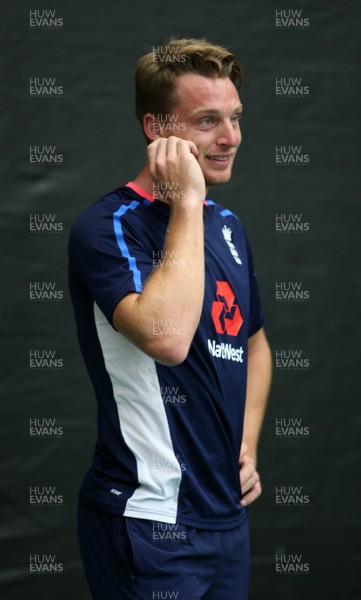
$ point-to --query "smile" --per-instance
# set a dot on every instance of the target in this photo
(220, 158)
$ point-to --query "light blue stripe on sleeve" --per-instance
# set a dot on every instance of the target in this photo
(123, 246)
(226, 213)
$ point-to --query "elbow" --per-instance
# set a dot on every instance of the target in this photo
(168, 351)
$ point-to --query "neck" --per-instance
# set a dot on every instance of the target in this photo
(145, 180)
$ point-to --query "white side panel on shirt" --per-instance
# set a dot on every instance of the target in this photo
(143, 423)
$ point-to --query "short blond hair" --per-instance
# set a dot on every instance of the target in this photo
(157, 71)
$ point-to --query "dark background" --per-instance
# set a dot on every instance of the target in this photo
(93, 126)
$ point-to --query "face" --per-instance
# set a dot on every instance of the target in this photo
(208, 113)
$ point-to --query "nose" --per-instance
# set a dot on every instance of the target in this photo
(229, 134)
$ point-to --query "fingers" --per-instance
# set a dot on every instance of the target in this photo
(165, 157)
(193, 148)
(249, 478)
(243, 452)
(254, 493)
(165, 152)
(172, 161)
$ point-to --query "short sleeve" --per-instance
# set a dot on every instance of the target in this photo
(108, 258)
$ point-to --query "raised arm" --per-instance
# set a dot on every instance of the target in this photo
(175, 290)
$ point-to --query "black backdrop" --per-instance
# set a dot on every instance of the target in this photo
(309, 452)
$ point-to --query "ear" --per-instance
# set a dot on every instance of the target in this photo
(151, 127)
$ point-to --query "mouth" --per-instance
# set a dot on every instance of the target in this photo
(221, 160)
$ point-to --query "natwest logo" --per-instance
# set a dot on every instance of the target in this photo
(226, 313)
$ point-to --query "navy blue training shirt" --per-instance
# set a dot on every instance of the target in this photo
(168, 437)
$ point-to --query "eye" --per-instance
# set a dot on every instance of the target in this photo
(206, 121)
(236, 118)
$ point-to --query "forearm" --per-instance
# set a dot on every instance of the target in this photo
(162, 319)
(174, 292)
(258, 385)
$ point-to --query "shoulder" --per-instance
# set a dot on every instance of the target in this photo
(225, 215)
(98, 219)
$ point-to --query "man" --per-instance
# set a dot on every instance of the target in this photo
(170, 325)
